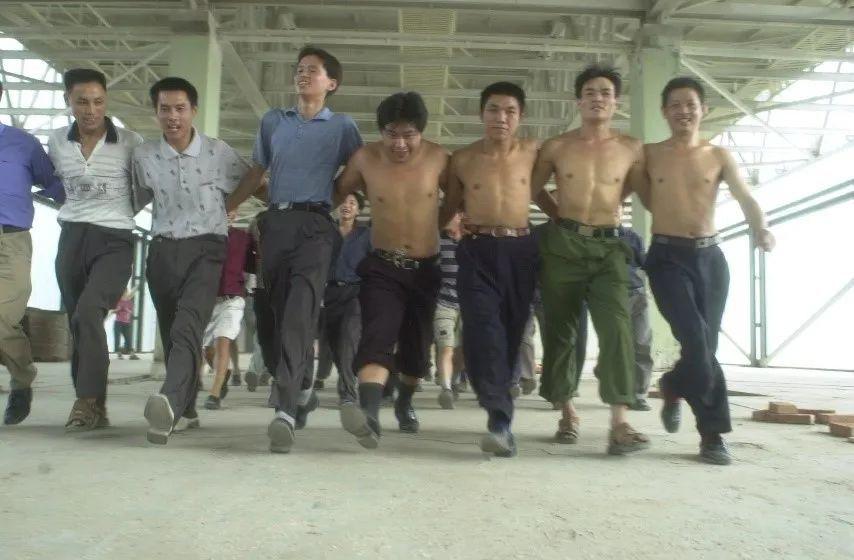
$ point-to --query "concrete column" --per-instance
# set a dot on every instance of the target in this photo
(652, 66)
(195, 55)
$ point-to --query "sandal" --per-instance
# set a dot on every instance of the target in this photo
(625, 439)
(85, 415)
(567, 430)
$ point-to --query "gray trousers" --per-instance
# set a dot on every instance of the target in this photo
(639, 311)
(526, 361)
(16, 253)
(298, 247)
(93, 265)
(340, 331)
(183, 276)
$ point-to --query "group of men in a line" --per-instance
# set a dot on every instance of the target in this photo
(384, 282)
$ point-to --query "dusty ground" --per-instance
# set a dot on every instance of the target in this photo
(218, 493)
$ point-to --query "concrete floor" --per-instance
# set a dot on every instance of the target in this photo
(218, 493)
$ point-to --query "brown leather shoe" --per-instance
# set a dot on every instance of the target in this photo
(85, 415)
(625, 439)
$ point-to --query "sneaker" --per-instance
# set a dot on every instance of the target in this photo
(671, 412)
(355, 421)
(85, 416)
(641, 405)
(251, 381)
(235, 381)
(185, 424)
(500, 444)
(567, 430)
(528, 386)
(264, 380)
(160, 418)
(18, 406)
(406, 418)
(302, 411)
(625, 439)
(446, 399)
(713, 450)
(281, 435)
(213, 403)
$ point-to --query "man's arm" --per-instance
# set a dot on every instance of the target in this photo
(543, 169)
(140, 194)
(741, 193)
(453, 193)
(248, 185)
(44, 174)
(636, 179)
(350, 180)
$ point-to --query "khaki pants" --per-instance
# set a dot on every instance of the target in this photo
(16, 253)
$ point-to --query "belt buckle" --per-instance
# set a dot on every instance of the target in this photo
(586, 231)
(502, 231)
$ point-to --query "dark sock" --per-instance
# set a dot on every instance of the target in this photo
(708, 439)
(498, 421)
(404, 395)
(370, 397)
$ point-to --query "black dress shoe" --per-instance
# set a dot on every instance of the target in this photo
(671, 411)
(713, 450)
(406, 418)
(302, 411)
(18, 406)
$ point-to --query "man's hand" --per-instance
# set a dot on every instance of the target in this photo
(765, 239)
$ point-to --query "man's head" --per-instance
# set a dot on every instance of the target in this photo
(501, 107)
(351, 207)
(86, 96)
(597, 89)
(175, 102)
(401, 119)
(317, 72)
(683, 104)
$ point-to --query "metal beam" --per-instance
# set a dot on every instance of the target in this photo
(749, 13)
(244, 80)
(765, 53)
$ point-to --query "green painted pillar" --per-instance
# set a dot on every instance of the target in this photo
(195, 55)
(651, 68)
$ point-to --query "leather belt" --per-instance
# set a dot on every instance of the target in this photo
(588, 231)
(11, 229)
(400, 260)
(498, 231)
(306, 206)
(692, 242)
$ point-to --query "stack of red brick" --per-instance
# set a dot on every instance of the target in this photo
(841, 425)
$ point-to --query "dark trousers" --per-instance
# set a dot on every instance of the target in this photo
(265, 327)
(298, 247)
(122, 330)
(183, 278)
(495, 283)
(340, 331)
(690, 288)
(93, 265)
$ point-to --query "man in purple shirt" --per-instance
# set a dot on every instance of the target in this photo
(23, 163)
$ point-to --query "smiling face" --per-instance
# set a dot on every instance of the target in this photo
(349, 209)
(598, 100)
(88, 103)
(684, 111)
(175, 115)
(501, 116)
(311, 79)
(400, 140)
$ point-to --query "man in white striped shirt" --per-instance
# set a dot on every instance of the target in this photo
(95, 254)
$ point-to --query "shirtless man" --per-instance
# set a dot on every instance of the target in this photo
(401, 175)
(687, 270)
(583, 258)
(498, 256)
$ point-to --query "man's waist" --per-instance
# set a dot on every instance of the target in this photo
(306, 206)
(12, 229)
(497, 231)
(401, 260)
(586, 230)
(342, 283)
(691, 242)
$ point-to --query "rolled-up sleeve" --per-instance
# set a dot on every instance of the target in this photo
(44, 174)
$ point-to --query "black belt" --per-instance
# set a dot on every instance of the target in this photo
(12, 229)
(317, 207)
(400, 260)
(338, 284)
(588, 231)
(692, 242)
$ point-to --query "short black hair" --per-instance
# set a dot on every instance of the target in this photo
(360, 199)
(174, 84)
(331, 64)
(76, 76)
(683, 82)
(403, 106)
(596, 71)
(503, 88)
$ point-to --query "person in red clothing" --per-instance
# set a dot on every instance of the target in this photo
(227, 317)
(122, 326)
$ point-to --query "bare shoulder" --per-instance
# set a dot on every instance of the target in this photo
(531, 145)
(557, 143)
(436, 152)
(721, 154)
(630, 142)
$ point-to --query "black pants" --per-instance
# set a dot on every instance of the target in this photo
(690, 288)
(340, 331)
(93, 265)
(265, 327)
(297, 248)
(495, 283)
(183, 278)
(122, 330)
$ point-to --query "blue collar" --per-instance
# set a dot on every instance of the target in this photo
(324, 115)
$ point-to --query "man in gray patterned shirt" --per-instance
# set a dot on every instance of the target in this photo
(188, 176)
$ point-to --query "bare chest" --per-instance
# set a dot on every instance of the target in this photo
(593, 166)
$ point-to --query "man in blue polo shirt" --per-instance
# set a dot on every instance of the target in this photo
(23, 163)
(302, 147)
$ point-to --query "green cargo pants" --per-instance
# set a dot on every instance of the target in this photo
(575, 269)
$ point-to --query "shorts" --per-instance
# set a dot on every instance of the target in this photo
(447, 327)
(226, 320)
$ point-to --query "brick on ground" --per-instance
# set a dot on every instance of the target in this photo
(823, 418)
(778, 407)
(840, 429)
(768, 416)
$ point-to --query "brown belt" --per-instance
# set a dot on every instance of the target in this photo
(498, 231)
